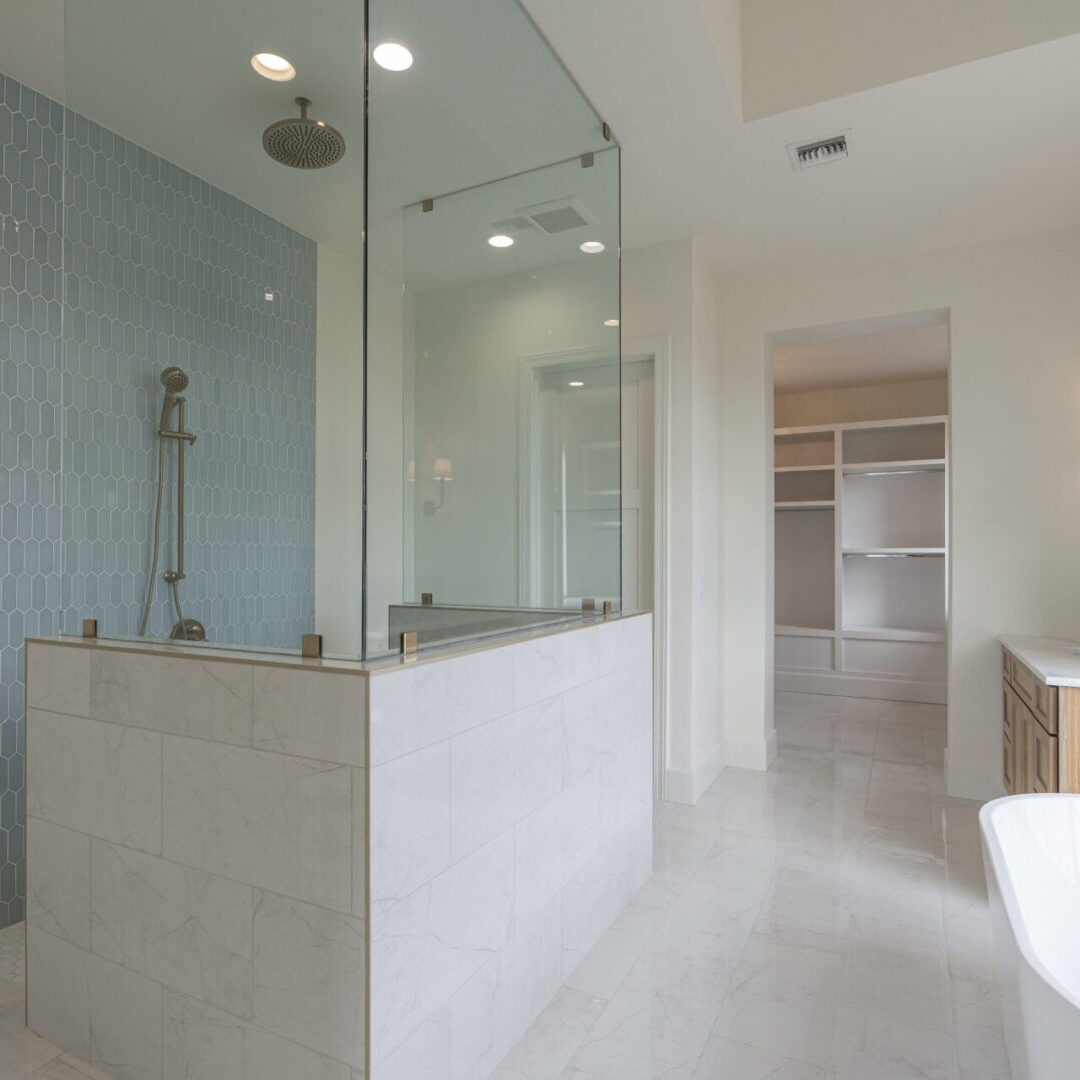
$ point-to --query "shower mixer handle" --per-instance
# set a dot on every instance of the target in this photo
(186, 436)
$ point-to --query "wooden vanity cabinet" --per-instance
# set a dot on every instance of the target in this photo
(1041, 732)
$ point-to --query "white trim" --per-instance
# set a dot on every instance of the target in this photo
(881, 687)
(854, 425)
(965, 782)
(686, 786)
(757, 754)
(659, 350)
(528, 437)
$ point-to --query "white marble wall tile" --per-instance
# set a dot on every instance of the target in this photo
(187, 929)
(311, 976)
(503, 770)
(102, 779)
(202, 698)
(417, 706)
(272, 821)
(554, 843)
(410, 816)
(425, 946)
(203, 1043)
(597, 894)
(547, 666)
(125, 1021)
(424, 1055)
(58, 679)
(313, 714)
(493, 1009)
(58, 887)
(361, 855)
(57, 992)
(624, 642)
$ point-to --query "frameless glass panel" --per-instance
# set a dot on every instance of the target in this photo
(492, 337)
(212, 322)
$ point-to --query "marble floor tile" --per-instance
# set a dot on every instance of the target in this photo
(825, 920)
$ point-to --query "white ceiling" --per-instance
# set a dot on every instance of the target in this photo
(797, 52)
(953, 157)
(957, 156)
(916, 352)
(176, 78)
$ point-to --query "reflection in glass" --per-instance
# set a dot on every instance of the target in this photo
(231, 210)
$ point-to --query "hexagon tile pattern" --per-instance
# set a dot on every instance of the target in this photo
(159, 268)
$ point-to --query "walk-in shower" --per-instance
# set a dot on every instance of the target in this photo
(175, 382)
(303, 251)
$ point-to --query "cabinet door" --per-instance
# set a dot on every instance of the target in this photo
(1042, 755)
(1008, 741)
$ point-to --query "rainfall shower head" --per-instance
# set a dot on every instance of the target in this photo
(174, 380)
(303, 143)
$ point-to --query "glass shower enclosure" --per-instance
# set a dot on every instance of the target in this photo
(339, 346)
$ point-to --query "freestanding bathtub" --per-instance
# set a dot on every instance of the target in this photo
(1031, 849)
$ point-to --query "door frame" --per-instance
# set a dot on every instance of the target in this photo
(657, 349)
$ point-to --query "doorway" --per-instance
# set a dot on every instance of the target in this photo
(860, 490)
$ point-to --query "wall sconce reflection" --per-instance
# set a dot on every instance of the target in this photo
(444, 473)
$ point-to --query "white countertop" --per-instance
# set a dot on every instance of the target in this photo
(1047, 657)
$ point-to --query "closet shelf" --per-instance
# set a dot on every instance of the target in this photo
(804, 468)
(806, 504)
(864, 468)
(913, 552)
(805, 631)
(893, 633)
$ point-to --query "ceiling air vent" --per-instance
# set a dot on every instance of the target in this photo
(558, 216)
(818, 152)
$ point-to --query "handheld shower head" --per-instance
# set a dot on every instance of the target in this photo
(174, 380)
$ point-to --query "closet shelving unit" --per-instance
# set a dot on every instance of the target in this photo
(861, 558)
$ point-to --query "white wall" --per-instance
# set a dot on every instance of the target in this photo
(1015, 461)
(669, 292)
(471, 341)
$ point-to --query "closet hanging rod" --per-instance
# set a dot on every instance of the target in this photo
(893, 554)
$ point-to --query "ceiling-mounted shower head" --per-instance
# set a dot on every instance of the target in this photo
(303, 143)
(174, 380)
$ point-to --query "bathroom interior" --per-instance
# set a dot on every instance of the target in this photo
(534, 539)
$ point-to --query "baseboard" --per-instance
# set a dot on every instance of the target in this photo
(881, 687)
(966, 782)
(756, 754)
(686, 785)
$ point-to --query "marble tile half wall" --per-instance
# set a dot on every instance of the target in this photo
(200, 872)
(197, 864)
(511, 822)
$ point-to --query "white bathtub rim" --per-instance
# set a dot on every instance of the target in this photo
(1008, 894)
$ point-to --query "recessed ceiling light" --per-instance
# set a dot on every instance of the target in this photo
(500, 240)
(393, 56)
(592, 247)
(575, 383)
(271, 66)
(611, 322)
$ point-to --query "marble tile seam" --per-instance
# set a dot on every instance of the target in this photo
(495, 719)
(171, 990)
(204, 739)
(199, 869)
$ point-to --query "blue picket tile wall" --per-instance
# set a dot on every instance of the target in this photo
(159, 268)
(162, 269)
(31, 181)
